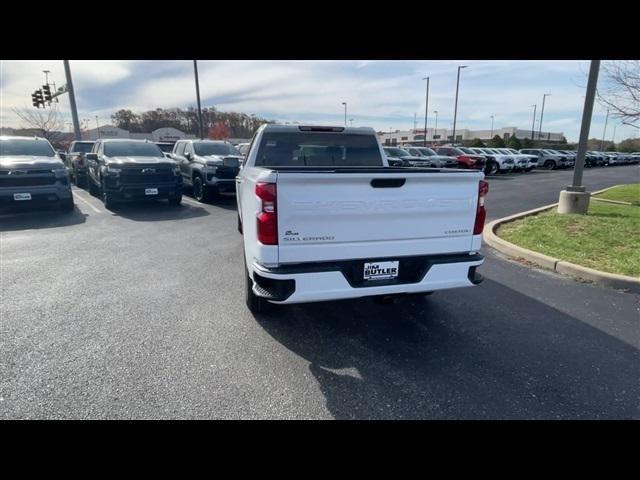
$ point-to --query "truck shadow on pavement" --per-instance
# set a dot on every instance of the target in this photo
(157, 211)
(37, 218)
(449, 357)
(226, 200)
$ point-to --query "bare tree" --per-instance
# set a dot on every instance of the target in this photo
(621, 91)
(48, 122)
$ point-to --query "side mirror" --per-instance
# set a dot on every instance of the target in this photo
(187, 155)
(92, 156)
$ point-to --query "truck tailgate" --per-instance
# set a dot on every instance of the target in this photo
(335, 216)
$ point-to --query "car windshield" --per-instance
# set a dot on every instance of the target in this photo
(316, 149)
(27, 146)
(396, 152)
(81, 147)
(451, 151)
(467, 150)
(550, 152)
(415, 152)
(427, 152)
(132, 149)
(165, 147)
(206, 148)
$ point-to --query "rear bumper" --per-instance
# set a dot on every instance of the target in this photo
(323, 281)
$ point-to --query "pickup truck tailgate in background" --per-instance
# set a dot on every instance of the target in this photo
(334, 216)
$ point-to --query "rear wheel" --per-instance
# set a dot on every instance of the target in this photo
(492, 168)
(550, 165)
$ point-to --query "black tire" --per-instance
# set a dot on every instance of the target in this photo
(81, 180)
(550, 165)
(492, 168)
(107, 198)
(175, 201)
(67, 205)
(93, 190)
(200, 190)
(255, 304)
(239, 224)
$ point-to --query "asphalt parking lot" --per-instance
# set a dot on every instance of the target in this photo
(139, 313)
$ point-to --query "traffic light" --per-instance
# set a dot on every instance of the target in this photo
(47, 93)
(37, 98)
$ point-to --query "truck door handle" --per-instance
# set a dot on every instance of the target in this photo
(388, 182)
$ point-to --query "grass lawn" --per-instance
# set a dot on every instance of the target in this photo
(623, 193)
(607, 239)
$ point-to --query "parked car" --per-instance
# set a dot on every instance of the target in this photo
(122, 170)
(432, 158)
(522, 160)
(208, 166)
(497, 162)
(465, 160)
(546, 159)
(398, 157)
(76, 161)
(568, 160)
(315, 228)
(32, 172)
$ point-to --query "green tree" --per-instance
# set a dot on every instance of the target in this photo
(514, 142)
(127, 120)
(476, 142)
(610, 148)
(527, 143)
(629, 145)
(496, 142)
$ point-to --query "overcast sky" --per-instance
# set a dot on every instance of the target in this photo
(381, 94)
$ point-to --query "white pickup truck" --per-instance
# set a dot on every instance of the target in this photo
(323, 217)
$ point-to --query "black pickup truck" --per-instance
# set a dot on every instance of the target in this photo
(126, 170)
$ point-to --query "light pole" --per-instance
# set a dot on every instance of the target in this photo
(195, 71)
(351, 121)
(72, 100)
(605, 131)
(455, 110)
(345, 113)
(613, 140)
(46, 76)
(426, 111)
(98, 126)
(542, 113)
(491, 136)
(575, 198)
(435, 130)
(533, 123)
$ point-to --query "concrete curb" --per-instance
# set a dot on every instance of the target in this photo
(611, 280)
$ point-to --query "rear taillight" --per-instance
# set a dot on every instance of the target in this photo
(481, 213)
(267, 220)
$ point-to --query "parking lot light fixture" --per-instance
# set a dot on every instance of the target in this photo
(455, 110)
(426, 111)
(533, 123)
(542, 114)
(435, 129)
(575, 198)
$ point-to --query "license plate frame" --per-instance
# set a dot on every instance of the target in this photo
(385, 270)
(20, 197)
(151, 191)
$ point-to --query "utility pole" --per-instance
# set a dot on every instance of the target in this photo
(415, 122)
(455, 111)
(72, 101)
(435, 130)
(613, 140)
(575, 198)
(195, 70)
(345, 113)
(533, 123)
(606, 120)
(491, 136)
(98, 126)
(426, 111)
(542, 114)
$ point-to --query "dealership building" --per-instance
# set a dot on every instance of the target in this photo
(444, 135)
(166, 134)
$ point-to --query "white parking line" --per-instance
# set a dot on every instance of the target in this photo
(85, 201)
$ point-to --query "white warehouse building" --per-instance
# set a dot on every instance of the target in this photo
(165, 134)
(444, 135)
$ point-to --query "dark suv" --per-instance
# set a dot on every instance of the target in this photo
(76, 161)
(123, 169)
(209, 166)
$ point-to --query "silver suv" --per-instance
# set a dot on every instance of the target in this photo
(32, 172)
(547, 159)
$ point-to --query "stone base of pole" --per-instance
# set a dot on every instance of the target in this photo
(574, 200)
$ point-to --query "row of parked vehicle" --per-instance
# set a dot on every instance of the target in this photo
(500, 160)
